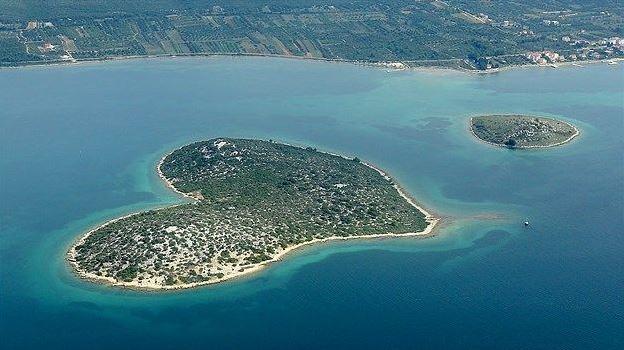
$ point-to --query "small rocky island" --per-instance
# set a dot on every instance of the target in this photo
(253, 201)
(522, 131)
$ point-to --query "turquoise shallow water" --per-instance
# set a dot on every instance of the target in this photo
(80, 144)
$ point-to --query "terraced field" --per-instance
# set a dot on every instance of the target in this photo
(454, 33)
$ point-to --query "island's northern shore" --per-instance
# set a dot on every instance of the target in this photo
(432, 222)
(381, 65)
(576, 133)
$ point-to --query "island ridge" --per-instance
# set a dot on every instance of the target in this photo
(522, 131)
(253, 201)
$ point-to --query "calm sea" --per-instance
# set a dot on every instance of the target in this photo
(79, 146)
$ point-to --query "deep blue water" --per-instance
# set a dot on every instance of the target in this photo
(79, 146)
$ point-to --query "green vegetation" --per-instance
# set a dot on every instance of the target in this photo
(511, 143)
(128, 274)
(454, 33)
(519, 131)
(255, 200)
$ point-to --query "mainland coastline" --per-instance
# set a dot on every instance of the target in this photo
(431, 220)
(440, 67)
